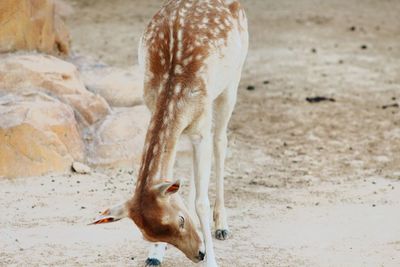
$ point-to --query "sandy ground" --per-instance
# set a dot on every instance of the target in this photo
(308, 184)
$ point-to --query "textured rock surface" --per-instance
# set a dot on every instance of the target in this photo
(33, 25)
(54, 77)
(117, 141)
(120, 87)
(38, 134)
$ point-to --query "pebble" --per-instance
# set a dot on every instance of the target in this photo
(251, 87)
(80, 168)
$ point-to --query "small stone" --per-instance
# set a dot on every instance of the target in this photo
(80, 168)
(352, 28)
(313, 50)
(251, 88)
(363, 47)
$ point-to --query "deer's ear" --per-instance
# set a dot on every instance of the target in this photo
(113, 214)
(166, 188)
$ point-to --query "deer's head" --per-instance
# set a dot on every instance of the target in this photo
(161, 217)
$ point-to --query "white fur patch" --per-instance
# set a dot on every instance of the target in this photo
(178, 88)
(178, 69)
(157, 251)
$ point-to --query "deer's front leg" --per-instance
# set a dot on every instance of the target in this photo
(202, 145)
(156, 254)
(192, 197)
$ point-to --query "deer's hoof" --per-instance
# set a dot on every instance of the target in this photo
(152, 262)
(221, 234)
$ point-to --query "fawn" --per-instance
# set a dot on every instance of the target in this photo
(192, 53)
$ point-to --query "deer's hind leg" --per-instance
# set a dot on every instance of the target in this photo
(223, 108)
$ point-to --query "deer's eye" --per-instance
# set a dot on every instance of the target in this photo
(181, 222)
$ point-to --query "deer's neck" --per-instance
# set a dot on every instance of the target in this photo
(161, 140)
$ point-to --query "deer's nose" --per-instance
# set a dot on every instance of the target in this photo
(201, 255)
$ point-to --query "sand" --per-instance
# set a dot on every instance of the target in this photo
(307, 184)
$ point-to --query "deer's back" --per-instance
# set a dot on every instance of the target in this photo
(187, 43)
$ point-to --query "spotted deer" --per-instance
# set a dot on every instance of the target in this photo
(192, 53)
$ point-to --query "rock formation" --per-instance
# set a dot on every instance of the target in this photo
(32, 25)
(38, 134)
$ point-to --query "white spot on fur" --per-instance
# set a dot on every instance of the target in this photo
(151, 163)
(161, 136)
(178, 69)
(178, 88)
(155, 149)
(180, 42)
(179, 54)
(179, 103)
(190, 48)
(171, 107)
(187, 60)
(171, 39)
(194, 91)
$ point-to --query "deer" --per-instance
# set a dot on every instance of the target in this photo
(192, 54)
